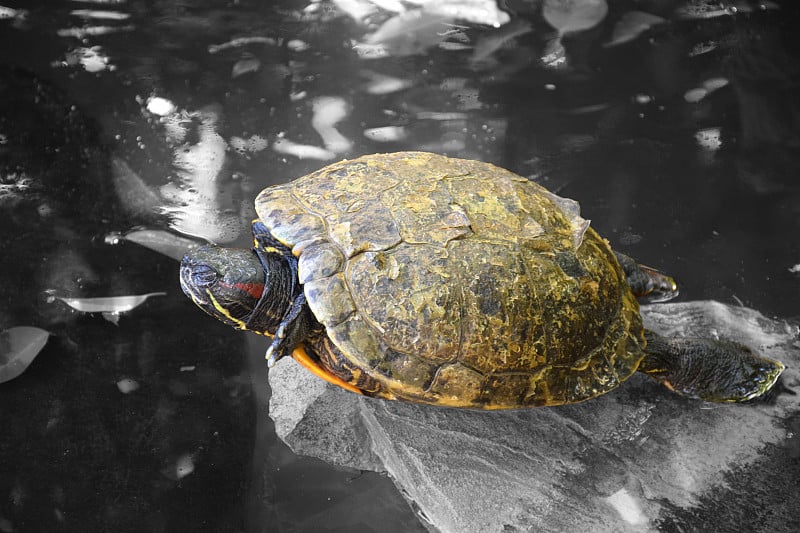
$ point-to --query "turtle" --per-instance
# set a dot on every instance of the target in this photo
(414, 276)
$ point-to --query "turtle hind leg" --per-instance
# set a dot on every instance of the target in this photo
(709, 369)
(647, 282)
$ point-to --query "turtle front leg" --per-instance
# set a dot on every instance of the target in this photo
(646, 281)
(296, 326)
(713, 370)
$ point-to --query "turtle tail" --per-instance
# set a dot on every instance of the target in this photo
(713, 370)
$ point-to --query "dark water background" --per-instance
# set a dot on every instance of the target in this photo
(703, 186)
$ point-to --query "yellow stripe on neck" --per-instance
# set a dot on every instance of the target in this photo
(224, 312)
(299, 354)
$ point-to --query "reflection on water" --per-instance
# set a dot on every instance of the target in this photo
(675, 124)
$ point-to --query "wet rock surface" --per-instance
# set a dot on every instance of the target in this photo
(637, 459)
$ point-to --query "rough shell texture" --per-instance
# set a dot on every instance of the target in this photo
(456, 282)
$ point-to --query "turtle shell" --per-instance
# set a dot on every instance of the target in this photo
(456, 282)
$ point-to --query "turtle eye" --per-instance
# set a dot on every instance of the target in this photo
(204, 276)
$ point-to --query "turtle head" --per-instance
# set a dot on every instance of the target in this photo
(226, 283)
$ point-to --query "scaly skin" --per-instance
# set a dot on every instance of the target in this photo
(714, 370)
(417, 277)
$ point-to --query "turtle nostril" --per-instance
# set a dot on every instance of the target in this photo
(204, 276)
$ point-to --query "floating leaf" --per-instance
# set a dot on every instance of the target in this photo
(699, 10)
(100, 14)
(359, 10)
(297, 45)
(329, 111)
(136, 196)
(410, 33)
(19, 346)
(631, 25)
(489, 43)
(202, 201)
(703, 48)
(695, 95)
(554, 55)
(183, 466)
(127, 385)
(240, 42)
(475, 11)
(405, 26)
(255, 143)
(7, 13)
(243, 66)
(302, 151)
(160, 106)
(111, 304)
(111, 317)
(86, 31)
(713, 84)
(386, 134)
(370, 51)
(381, 84)
(390, 5)
(163, 242)
(709, 139)
(574, 15)
(93, 59)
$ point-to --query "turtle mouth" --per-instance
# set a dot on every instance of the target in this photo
(189, 282)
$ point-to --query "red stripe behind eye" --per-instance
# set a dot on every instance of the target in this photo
(253, 289)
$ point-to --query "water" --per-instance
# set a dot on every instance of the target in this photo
(680, 144)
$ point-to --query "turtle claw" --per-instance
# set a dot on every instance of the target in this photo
(290, 332)
(272, 356)
(280, 347)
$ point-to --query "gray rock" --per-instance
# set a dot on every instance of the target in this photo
(617, 463)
